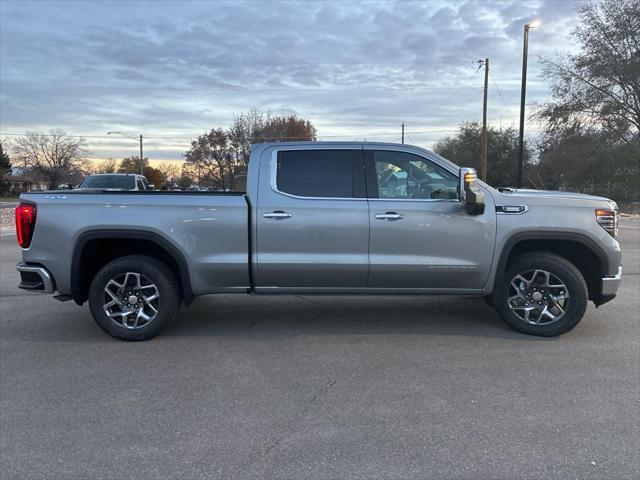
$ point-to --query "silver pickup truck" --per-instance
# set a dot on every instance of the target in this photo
(324, 218)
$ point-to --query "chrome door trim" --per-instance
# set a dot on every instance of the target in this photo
(449, 200)
(418, 152)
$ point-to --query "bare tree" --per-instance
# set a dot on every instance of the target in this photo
(219, 158)
(256, 126)
(170, 170)
(57, 156)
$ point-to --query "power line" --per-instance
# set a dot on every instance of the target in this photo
(495, 84)
(171, 137)
(238, 88)
(214, 62)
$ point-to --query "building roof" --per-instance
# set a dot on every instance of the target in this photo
(24, 178)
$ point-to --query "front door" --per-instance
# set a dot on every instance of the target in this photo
(421, 236)
(312, 219)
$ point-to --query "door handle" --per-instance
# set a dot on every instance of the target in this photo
(389, 216)
(277, 215)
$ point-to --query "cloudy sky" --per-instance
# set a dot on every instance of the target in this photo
(356, 69)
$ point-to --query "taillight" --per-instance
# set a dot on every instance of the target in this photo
(608, 219)
(25, 223)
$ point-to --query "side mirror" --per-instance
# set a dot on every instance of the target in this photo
(469, 193)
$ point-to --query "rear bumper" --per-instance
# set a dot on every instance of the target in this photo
(35, 278)
(609, 287)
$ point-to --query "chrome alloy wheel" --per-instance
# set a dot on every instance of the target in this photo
(538, 297)
(131, 300)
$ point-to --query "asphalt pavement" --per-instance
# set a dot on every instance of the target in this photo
(320, 387)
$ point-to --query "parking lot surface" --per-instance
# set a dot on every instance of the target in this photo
(320, 387)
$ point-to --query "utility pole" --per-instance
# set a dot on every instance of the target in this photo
(141, 157)
(134, 138)
(485, 140)
(403, 133)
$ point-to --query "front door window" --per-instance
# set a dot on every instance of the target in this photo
(405, 176)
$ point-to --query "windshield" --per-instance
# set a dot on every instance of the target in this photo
(121, 182)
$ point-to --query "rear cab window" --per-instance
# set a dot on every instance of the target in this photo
(116, 182)
(321, 173)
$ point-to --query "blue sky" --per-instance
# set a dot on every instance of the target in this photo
(172, 70)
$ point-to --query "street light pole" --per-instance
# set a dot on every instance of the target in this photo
(523, 95)
(484, 147)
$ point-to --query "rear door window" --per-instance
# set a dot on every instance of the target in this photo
(321, 173)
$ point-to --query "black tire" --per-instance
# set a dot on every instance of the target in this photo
(558, 267)
(151, 271)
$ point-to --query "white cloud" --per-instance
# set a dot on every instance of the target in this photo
(176, 69)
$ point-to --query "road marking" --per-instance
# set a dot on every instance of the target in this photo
(635, 228)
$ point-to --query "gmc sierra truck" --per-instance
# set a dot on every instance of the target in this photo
(324, 218)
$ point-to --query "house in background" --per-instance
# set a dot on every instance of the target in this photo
(25, 183)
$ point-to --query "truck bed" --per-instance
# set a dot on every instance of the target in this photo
(210, 230)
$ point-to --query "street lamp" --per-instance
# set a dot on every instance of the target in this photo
(525, 52)
(135, 138)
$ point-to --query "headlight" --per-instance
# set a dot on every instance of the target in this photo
(608, 219)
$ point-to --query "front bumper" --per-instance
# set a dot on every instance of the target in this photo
(609, 287)
(35, 278)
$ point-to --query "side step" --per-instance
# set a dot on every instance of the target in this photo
(63, 298)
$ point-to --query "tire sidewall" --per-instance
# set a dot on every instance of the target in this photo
(565, 271)
(155, 271)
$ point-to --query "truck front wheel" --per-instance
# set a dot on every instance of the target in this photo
(541, 294)
(134, 297)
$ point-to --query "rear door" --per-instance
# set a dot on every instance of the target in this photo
(312, 219)
(421, 236)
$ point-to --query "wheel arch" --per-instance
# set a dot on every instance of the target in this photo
(137, 242)
(584, 253)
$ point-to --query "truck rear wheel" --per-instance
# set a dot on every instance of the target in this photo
(541, 294)
(134, 297)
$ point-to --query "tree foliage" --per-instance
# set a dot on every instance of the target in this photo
(155, 177)
(590, 160)
(212, 161)
(5, 171)
(502, 157)
(132, 164)
(55, 155)
(217, 157)
(110, 165)
(600, 86)
(591, 139)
